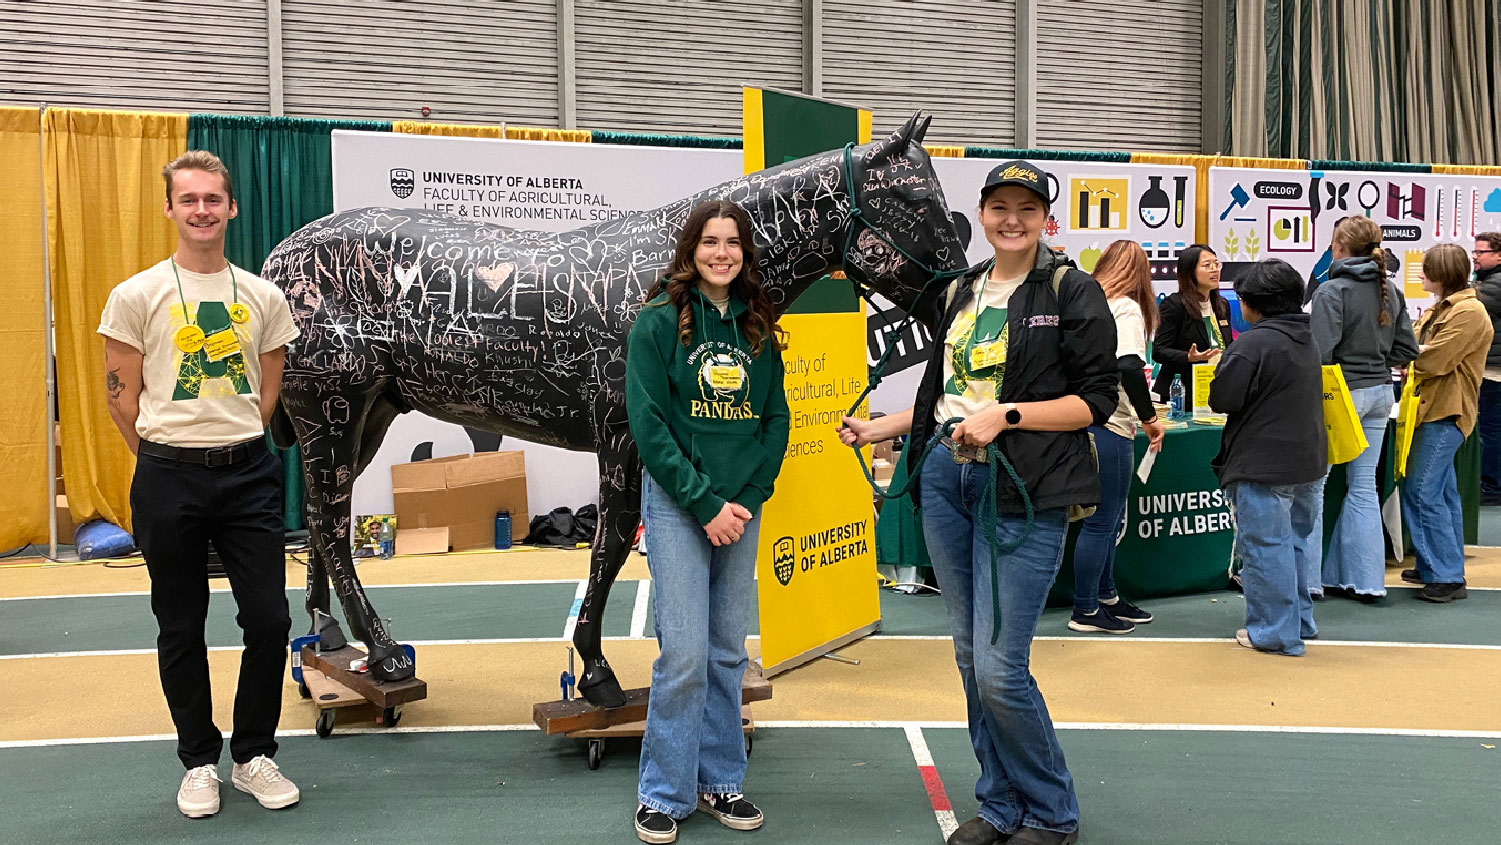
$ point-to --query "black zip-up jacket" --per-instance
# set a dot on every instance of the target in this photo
(1177, 330)
(1271, 387)
(1057, 346)
(1488, 291)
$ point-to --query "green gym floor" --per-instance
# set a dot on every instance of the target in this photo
(1386, 732)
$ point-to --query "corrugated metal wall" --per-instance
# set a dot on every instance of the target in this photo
(1120, 74)
(955, 59)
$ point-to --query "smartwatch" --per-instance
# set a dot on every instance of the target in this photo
(1013, 416)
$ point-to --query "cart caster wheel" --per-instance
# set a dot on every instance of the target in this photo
(389, 716)
(749, 743)
(325, 724)
(303, 691)
(596, 753)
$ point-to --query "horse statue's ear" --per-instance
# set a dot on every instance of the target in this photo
(912, 131)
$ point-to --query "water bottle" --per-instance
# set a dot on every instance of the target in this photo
(1175, 399)
(503, 530)
(387, 540)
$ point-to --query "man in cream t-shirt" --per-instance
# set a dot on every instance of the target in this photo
(193, 351)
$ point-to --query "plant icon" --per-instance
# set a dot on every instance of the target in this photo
(1231, 244)
(1253, 244)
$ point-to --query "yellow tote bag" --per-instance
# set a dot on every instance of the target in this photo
(1407, 424)
(1346, 435)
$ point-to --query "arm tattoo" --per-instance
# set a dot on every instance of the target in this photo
(113, 385)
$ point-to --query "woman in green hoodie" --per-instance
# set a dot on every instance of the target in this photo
(704, 394)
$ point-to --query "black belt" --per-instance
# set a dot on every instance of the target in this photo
(964, 454)
(218, 456)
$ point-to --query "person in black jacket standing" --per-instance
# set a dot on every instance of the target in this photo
(1195, 325)
(1487, 255)
(1273, 455)
(1027, 363)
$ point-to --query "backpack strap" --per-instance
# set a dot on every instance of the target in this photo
(1058, 279)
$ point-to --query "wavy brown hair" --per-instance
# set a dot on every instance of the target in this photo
(681, 277)
(1449, 265)
(1124, 271)
(1361, 237)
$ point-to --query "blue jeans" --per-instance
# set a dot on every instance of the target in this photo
(1274, 533)
(1488, 424)
(1094, 553)
(694, 741)
(1024, 781)
(1430, 503)
(1357, 549)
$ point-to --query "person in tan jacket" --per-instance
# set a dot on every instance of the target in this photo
(1453, 339)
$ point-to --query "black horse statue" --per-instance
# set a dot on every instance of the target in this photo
(523, 333)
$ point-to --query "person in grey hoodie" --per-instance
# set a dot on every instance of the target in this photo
(1273, 455)
(1487, 256)
(1360, 322)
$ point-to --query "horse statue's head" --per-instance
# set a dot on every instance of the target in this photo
(901, 236)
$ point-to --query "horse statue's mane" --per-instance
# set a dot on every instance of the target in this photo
(523, 333)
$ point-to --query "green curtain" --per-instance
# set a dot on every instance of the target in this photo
(282, 172)
(637, 139)
(1047, 155)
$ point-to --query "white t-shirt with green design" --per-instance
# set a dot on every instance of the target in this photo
(974, 353)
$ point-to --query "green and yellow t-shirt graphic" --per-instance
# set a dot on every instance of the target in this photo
(218, 369)
(978, 355)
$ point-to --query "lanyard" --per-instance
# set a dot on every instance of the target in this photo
(190, 338)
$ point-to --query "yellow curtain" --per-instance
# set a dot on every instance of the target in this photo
(1202, 164)
(1467, 169)
(24, 509)
(532, 133)
(942, 151)
(104, 207)
(458, 130)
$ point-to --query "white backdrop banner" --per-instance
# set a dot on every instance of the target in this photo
(1290, 214)
(1095, 203)
(534, 185)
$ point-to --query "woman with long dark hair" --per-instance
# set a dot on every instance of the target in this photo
(1360, 322)
(1126, 278)
(1027, 361)
(1454, 337)
(710, 419)
(1195, 325)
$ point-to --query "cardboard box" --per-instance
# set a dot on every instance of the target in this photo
(883, 450)
(450, 503)
(65, 526)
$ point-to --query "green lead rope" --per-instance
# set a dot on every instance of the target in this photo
(986, 508)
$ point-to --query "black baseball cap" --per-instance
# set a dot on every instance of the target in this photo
(1021, 173)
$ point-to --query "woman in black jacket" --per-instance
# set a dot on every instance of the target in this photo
(1027, 361)
(1195, 325)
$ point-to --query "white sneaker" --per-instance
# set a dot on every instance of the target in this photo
(198, 797)
(262, 778)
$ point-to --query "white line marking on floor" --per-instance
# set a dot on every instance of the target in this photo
(638, 613)
(1145, 727)
(573, 612)
(527, 582)
(932, 783)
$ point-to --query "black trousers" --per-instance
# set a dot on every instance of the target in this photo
(179, 508)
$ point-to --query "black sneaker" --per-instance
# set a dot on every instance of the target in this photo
(1126, 611)
(732, 810)
(655, 827)
(976, 831)
(1102, 621)
(1411, 576)
(1036, 836)
(1441, 593)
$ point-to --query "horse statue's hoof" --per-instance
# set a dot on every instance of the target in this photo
(390, 663)
(330, 635)
(598, 685)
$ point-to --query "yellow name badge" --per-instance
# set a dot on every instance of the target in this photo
(984, 355)
(725, 378)
(221, 345)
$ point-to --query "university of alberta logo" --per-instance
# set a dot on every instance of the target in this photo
(783, 560)
(403, 182)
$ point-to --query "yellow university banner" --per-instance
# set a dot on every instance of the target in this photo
(817, 560)
(816, 565)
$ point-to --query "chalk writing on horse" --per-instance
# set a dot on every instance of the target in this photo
(523, 333)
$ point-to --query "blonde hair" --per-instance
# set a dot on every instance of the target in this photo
(1361, 237)
(198, 160)
(1449, 265)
